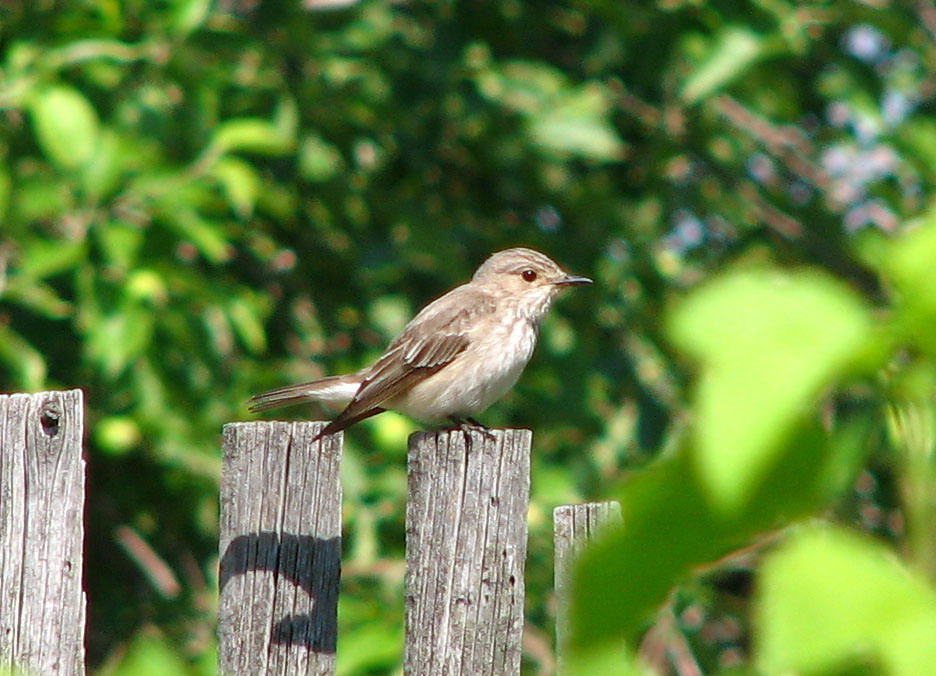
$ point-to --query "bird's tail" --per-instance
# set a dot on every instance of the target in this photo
(333, 388)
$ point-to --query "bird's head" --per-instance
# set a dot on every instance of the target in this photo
(527, 277)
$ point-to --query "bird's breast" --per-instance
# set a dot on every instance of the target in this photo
(482, 374)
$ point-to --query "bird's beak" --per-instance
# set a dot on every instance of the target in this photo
(572, 280)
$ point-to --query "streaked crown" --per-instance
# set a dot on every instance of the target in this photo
(515, 262)
(524, 279)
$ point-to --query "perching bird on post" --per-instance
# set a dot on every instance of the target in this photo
(461, 353)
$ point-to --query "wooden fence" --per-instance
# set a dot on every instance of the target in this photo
(280, 545)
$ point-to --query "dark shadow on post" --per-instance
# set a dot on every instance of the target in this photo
(280, 542)
(312, 564)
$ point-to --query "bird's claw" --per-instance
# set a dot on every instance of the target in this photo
(469, 425)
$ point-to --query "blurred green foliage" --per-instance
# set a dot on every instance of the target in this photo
(203, 200)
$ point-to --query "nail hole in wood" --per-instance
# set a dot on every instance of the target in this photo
(49, 418)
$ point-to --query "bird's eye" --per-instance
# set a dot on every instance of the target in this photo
(528, 275)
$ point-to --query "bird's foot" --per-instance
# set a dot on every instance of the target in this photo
(469, 425)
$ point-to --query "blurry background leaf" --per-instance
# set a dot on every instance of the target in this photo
(240, 183)
(318, 159)
(188, 15)
(731, 53)
(909, 266)
(767, 343)
(254, 136)
(66, 125)
(24, 363)
(149, 654)
(830, 599)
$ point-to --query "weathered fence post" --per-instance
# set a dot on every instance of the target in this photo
(42, 482)
(573, 527)
(466, 535)
(280, 550)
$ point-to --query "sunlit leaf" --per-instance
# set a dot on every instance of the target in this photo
(240, 182)
(908, 263)
(563, 118)
(40, 197)
(38, 297)
(188, 15)
(118, 339)
(46, 258)
(734, 51)
(919, 134)
(589, 137)
(606, 660)
(366, 647)
(768, 342)
(391, 432)
(146, 285)
(102, 173)
(66, 125)
(253, 135)
(671, 528)
(319, 160)
(117, 434)
(23, 361)
(120, 242)
(149, 654)
(528, 87)
(208, 236)
(829, 599)
(248, 324)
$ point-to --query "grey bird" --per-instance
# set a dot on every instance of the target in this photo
(456, 357)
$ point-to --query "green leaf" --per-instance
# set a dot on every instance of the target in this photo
(734, 51)
(146, 286)
(563, 119)
(578, 125)
(527, 87)
(40, 197)
(240, 182)
(119, 338)
(253, 135)
(390, 433)
(46, 258)
(117, 435)
(768, 342)
(365, 647)
(209, 237)
(830, 599)
(120, 242)
(319, 161)
(65, 124)
(102, 173)
(908, 264)
(248, 324)
(671, 528)
(38, 297)
(606, 660)
(188, 15)
(588, 137)
(918, 137)
(6, 185)
(24, 362)
(149, 654)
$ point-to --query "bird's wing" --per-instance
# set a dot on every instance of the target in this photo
(434, 338)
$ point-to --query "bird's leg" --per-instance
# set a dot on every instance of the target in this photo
(465, 428)
(469, 425)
